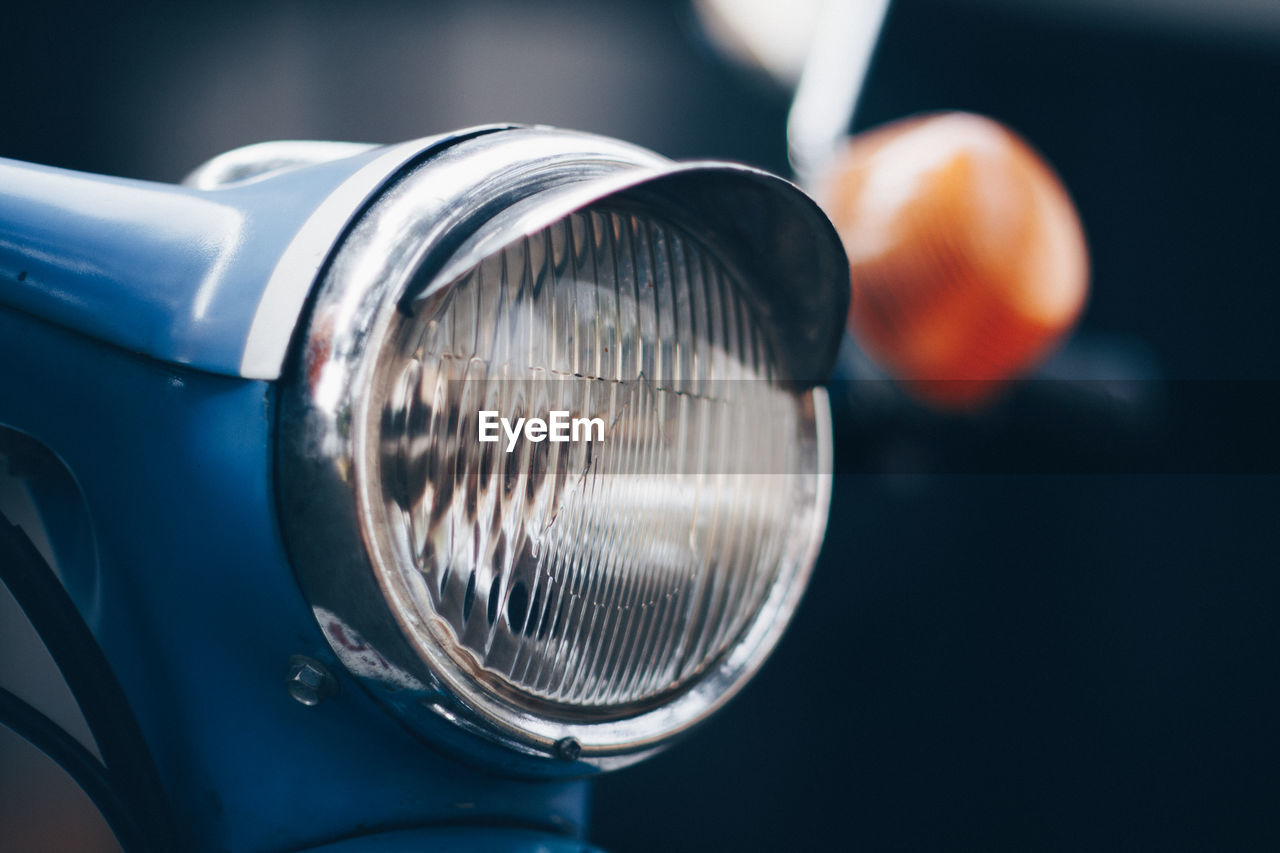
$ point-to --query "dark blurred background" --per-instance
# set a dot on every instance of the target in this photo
(1075, 649)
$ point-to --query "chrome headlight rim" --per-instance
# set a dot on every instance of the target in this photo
(501, 183)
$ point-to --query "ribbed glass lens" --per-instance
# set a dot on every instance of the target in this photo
(607, 572)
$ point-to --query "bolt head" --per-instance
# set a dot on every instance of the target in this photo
(568, 749)
(309, 681)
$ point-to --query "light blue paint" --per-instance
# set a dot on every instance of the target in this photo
(198, 610)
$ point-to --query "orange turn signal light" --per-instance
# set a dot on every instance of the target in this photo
(967, 256)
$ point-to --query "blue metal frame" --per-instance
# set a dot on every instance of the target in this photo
(161, 269)
(104, 285)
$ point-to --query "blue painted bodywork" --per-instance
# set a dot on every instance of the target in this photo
(107, 289)
(160, 269)
(198, 611)
(462, 839)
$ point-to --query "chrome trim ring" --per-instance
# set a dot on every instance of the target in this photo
(436, 220)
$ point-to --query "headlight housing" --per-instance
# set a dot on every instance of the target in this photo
(583, 600)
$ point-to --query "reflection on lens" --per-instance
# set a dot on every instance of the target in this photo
(593, 576)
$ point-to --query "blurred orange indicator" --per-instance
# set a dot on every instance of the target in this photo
(968, 260)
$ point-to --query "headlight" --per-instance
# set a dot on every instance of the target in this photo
(579, 599)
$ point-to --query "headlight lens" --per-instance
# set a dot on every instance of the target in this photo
(579, 599)
(595, 575)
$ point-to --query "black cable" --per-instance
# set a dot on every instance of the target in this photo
(87, 771)
(88, 674)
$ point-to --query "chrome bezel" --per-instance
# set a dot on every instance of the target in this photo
(437, 219)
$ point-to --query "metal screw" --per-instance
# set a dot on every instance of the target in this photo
(568, 748)
(310, 681)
